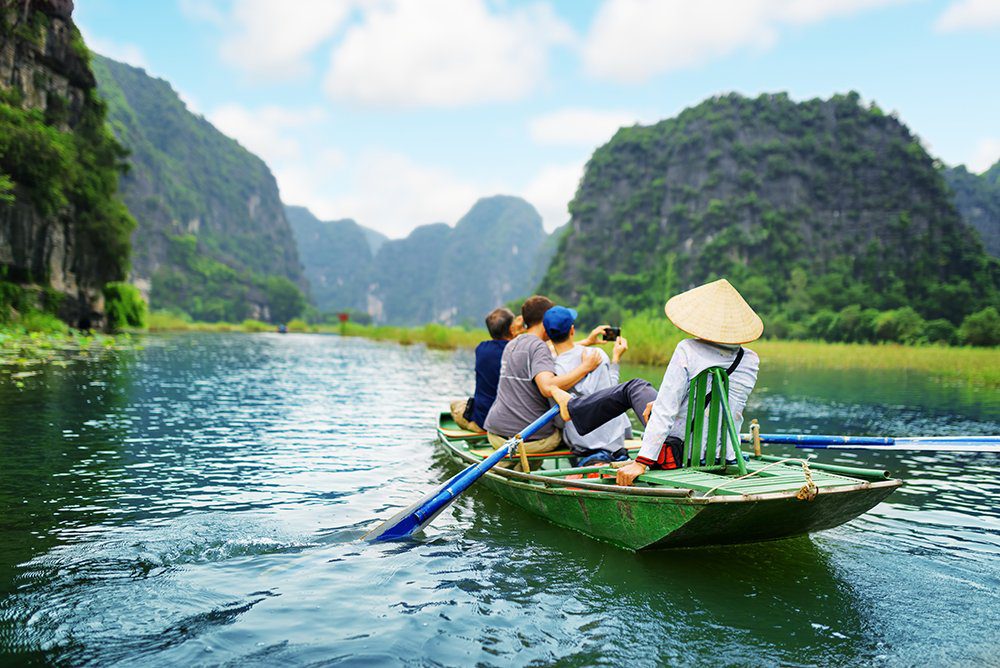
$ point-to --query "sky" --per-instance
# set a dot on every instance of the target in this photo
(398, 113)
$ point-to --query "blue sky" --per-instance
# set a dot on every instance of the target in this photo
(399, 113)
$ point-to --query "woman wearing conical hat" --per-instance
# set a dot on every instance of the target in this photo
(721, 321)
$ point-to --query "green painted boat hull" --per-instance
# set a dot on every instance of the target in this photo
(636, 522)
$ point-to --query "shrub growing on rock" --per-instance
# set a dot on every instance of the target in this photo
(124, 306)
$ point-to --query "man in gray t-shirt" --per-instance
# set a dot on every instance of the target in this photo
(527, 376)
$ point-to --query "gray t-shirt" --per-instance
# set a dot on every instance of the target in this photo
(518, 402)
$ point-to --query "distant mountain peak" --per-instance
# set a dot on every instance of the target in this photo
(438, 273)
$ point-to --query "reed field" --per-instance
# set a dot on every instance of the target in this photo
(652, 339)
(651, 342)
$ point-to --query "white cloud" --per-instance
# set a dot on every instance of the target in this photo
(189, 101)
(969, 15)
(443, 53)
(986, 155)
(264, 131)
(551, 190)
(268, 39)
(203, 10)
(634, 40)
(127, 53)
(393, 194)
(578, 127)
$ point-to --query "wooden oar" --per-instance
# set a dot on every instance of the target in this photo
(413, 518)
(933, 443)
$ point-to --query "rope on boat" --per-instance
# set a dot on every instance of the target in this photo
(807, 493)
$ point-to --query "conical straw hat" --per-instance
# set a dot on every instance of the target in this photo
(715, 312)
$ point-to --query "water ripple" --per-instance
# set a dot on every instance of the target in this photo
(201, 503)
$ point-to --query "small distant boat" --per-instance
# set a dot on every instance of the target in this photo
(685, 507)
(282, 329)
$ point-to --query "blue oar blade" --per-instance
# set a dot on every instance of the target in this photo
(405, 522)
(415, 517)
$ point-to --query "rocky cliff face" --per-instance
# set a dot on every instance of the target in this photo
(337, 256)
(212, 230)
(64, 228)
(804, 206)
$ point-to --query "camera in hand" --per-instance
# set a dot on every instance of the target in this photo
(612, 333)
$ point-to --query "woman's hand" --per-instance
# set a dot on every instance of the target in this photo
(627, 474)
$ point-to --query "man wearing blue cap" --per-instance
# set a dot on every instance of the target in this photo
(607, 442)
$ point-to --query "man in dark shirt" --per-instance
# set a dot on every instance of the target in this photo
(471, 413)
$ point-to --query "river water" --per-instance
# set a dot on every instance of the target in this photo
(199, 501)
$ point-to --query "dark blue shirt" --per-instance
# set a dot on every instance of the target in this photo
(488, 354)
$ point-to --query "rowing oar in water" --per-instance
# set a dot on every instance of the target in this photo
(938, 443)
(413, 518)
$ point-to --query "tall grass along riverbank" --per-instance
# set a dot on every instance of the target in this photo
(652, 340)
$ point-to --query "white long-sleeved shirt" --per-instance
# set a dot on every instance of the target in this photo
(691, 357)
(611, 435)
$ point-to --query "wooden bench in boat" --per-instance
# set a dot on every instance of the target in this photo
(632, 445)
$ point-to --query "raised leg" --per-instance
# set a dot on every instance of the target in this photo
(593, 410)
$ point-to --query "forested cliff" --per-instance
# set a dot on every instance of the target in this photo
(809, 208)
(64, 233)
(212, 237)
(977, 197)
(337, 256)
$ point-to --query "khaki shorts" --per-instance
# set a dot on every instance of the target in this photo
(458, 415)
(547, 444)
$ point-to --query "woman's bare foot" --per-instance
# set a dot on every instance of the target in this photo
(562, 398)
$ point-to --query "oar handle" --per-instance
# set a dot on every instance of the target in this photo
(530, 430)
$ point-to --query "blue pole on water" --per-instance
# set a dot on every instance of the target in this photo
(417, 516)
(827, 441)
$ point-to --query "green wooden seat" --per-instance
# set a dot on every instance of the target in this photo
(720, 426)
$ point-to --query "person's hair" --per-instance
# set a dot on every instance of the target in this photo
(557, 339)
(498, 322)
(534, 308)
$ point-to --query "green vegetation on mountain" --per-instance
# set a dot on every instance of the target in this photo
(452, 275)
(62, 226)
(829, 216)
(978, 200)
(212, 240)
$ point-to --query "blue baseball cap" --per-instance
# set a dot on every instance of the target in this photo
(558, 320)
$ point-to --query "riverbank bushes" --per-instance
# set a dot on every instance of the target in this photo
(652, 340)
(853, 324)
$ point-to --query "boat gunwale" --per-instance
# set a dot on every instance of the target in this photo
(550, 485)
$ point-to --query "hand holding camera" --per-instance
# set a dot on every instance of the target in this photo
(621, 347)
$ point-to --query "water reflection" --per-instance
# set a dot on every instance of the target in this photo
(201, 503)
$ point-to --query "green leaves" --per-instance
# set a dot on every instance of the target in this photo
(124, 306)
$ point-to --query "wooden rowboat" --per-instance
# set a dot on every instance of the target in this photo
(680, 508)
